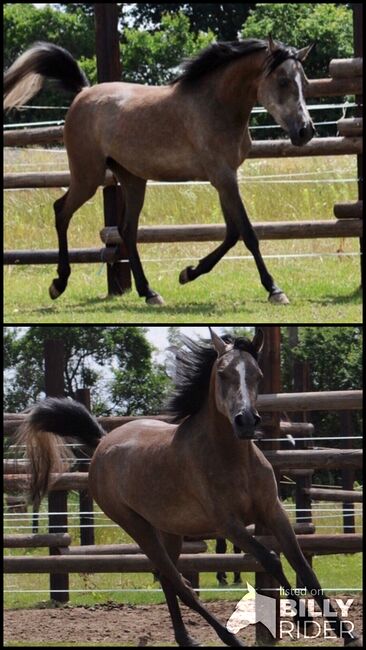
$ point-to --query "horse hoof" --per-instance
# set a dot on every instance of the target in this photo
(279, 298)
(184, 277)
(155, 300)
(54, 292)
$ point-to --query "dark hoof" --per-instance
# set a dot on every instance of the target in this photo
(188, 642)
(54, 291)
(155, 300)
(184, 275)
(279, 298)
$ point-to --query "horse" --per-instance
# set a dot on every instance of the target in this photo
(205, 476)
(194, 128)
(221, 547)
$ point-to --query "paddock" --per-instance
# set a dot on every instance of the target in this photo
(345, 223)
(69, 552)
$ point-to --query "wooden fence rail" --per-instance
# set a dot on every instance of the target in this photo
(284, 460)
(198, 563)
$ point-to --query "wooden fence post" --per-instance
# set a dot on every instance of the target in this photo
(57, 501)
(85, 500)
(270, 364)
(109, 69)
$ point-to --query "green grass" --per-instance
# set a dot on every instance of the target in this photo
(323, 289)
(333, 571)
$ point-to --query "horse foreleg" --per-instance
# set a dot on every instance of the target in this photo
(235, 213)
(148, 539)
(282, 529)
(207, 263)
(173, 546)
(270, 561)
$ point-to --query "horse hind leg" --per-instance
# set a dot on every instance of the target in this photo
(151, 543)
(173, 546)
(64, 208)
(134, 194)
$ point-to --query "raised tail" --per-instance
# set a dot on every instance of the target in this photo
(44, 432)
(41, 61)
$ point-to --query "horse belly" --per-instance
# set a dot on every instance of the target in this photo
(138, 469)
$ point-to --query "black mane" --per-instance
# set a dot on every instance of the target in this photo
(222, 53)
(192, 375)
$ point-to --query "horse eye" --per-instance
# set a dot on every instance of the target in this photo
(283, 82)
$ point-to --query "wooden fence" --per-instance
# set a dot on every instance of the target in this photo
(346, 78)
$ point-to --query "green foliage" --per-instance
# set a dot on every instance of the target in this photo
(225, 20)
(333, 353)
(24, 24)
(299, 24)
(334, 356)
(148, 57)
(327, 24)
(114, 362)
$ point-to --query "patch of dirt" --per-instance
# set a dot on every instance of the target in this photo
(131, 625)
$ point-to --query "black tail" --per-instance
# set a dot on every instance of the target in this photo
(42, 61)
(43, 433)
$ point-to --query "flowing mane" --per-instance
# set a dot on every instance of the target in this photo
(193, 372)
(222, 53)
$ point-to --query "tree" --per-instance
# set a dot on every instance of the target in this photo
(224, 20)
(114, 362)
(334, 355)
(327, 24)
(152, 57)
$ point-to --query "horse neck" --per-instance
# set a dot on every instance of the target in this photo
(236, 85)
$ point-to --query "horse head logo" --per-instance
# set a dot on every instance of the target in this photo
(253, 608)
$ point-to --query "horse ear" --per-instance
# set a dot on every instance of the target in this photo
(218, 343)
(271, 43)
(258, 340)
(304, 52)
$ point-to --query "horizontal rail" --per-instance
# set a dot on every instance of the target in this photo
(47, 256)
(304, 429)
(337, 400)
(316, 459)
(285, 460)
(127, 563)
(200, 562)
(349, 210)
(36, 540)
(216, 232)
(345, 496)
(345, 68)
(351, 126)
(259, 149)
(350, 227)
(126, 549)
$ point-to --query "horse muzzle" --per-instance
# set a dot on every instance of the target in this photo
(302, 135)
(245, 423)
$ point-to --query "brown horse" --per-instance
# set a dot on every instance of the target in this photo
(202, 477)
(195, 128)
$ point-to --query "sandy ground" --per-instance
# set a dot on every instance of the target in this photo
(128, 625)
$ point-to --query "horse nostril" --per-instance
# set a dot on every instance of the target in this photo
(302, 132)
(257, 419)
(239, 420)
